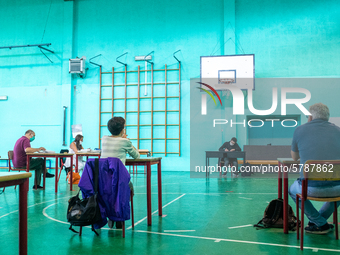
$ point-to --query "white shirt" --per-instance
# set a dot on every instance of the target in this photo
(118, 147)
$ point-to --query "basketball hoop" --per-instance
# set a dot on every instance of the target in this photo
(226, 81)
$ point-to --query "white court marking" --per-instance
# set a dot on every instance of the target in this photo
(207, 194)
(157, 210)
(172, 231)
(236, 241)
(243, 226)
(34, 205)
(246, 198)
(64, 222)
(170, 193)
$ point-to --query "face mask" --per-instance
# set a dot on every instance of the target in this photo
(232, 144)
(80, 142)
(32, 139)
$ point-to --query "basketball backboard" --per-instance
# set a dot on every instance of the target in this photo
(238, 70)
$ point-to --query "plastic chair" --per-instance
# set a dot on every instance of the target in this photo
(222, 165)
(317, 174)
(10, 168)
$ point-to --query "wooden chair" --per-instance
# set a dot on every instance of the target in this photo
(131, 199)
(329, 171)
(10, 168)
(62, 164)
(222, 165)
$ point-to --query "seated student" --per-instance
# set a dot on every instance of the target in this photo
(117, 145)
(230, 146)
(23, 146)
(76, 146)
(318, 139)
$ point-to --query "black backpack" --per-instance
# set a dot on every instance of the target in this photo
(273, 216)
(85, 212)
(246, 167)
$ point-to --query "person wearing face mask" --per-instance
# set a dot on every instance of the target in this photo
(230, 146)
(23, 146)
(76, 146)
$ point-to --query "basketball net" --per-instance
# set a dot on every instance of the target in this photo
(226, 81)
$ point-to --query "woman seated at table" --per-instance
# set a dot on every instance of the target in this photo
(117, 145)
(76, 146)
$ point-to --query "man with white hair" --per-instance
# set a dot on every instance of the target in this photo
(23, 146)
(318, 139)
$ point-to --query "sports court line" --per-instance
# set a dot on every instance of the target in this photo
(157, 210)
(237, 241)
(47, 216)
(224, 193)
(64, 222)
(243, 226)
(179, 231)
(33, 205)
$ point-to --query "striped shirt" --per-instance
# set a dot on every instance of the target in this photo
(118, 147)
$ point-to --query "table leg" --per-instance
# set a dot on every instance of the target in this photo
(159, 169)
(207, 168)
(56, 175)
(279, 195)
(44, 173)
(148, 192)
(28, 164)
(76, 164)
(285, 202)
(71, 174)
(23, 188)
(28, 169)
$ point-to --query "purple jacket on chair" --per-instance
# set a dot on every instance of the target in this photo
(113, 189)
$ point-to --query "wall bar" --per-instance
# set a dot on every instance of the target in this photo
(100, 103)
(166, 113)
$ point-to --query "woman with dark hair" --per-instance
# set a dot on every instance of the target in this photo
(117, 145)
(76, 146)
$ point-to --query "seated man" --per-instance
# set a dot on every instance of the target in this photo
(318, 139)
(230, 146)
(23, 146)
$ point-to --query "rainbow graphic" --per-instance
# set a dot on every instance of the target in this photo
(209, 93)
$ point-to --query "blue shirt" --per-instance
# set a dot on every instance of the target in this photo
(317, 140)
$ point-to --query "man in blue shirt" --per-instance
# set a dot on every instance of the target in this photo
(318, 139)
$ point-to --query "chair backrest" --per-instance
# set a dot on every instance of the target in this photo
(267, 152)
(62, 160)
(322, 170)
(10, 157)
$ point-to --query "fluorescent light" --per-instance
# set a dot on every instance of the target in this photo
(142, 58)
(3, 97)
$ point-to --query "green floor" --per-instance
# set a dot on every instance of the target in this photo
(199, 218)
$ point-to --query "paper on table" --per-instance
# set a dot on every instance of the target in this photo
(89, 150)
(85, 150)
(46, 151)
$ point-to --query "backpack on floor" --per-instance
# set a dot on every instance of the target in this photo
(246, 173)
(273, 216)
(85, 212)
